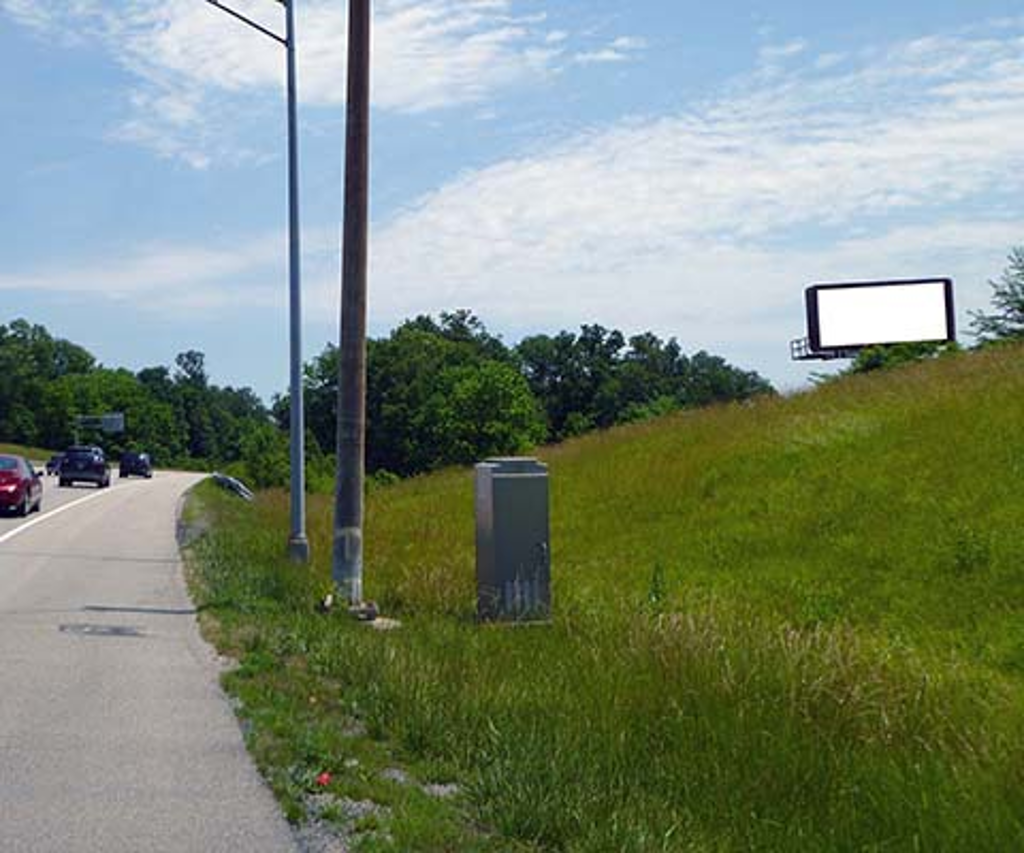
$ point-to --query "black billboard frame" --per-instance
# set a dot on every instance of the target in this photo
(814, 329)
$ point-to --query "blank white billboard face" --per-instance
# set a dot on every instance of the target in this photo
(883, 313)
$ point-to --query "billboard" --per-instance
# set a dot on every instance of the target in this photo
(861, 314)
(110, 422)
(113, 422)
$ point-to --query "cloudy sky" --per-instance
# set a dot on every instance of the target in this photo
(666, 165)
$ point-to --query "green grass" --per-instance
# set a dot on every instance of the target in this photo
(35, 454)
(793, 625)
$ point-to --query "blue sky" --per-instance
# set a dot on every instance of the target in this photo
(680, 167)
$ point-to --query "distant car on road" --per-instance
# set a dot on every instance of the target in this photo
(53, 464)
(21, 487)
(84, 464)
(136, 464)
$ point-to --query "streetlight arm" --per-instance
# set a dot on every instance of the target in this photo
(250, 22)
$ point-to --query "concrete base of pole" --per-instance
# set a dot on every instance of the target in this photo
(298, 549)
(363, 611)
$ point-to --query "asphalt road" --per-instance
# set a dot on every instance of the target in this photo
(52, 498)
(114, 733)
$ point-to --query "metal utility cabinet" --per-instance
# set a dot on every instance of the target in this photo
(513, 556)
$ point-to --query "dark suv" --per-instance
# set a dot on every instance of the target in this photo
(84, 465)
(136, 463)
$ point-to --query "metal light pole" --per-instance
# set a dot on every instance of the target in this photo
(347, 558)
(298, 544)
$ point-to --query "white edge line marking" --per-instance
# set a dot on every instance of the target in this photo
(44, 516)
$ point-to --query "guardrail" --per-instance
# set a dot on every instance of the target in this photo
(233, 484)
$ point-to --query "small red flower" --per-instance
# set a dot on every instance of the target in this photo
(324, 779)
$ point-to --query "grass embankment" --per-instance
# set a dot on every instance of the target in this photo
(35, 454)
(795, 625)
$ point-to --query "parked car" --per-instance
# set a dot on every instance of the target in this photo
(53, 464)
(136, 464)
(21, 486)
(84, 464)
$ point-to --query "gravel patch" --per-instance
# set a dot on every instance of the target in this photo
(318, 835)
(441, 791)
(394, 774)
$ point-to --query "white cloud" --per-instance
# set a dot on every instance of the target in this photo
(166, 277)
(828, 60)
(775, 52)
(709, 224)
(37, 16)
(621, 49)
(629, 43)
(606, 54)
(427, 54)
(193, 63)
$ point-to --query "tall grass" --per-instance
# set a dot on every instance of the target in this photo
(794, 625)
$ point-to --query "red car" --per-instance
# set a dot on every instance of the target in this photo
(21, 487)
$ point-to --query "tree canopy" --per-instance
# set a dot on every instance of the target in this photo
(45, 382)
(440, 392)
(1007, 320)
(447, 391)
(597, 378)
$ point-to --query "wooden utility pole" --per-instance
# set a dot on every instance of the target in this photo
(347, 557)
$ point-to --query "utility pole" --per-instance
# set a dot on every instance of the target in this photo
(298, 544)
(347, 558)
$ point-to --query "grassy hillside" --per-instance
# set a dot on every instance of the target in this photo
(33, 453)
(792, 625)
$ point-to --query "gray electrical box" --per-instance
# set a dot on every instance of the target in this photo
(513, 556)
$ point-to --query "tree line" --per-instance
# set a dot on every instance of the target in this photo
(446, 391)
(440, 392)
(177, 416)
